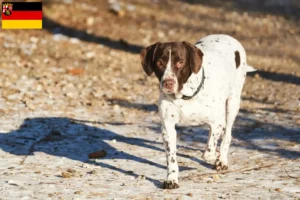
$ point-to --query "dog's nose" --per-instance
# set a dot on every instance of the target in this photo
(168, 83)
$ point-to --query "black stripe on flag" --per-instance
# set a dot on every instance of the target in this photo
(25, 6)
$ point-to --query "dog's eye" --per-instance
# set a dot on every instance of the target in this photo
(180, 64)
(160, 63)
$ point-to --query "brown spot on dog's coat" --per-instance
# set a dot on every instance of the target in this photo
(237, 59)
(172, 160)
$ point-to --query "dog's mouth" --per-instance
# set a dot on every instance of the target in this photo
(167, 91)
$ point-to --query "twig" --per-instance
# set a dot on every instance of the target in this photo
(290, 175)
(237, 170)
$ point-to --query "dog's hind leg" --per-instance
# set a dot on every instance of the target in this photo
(216, 130)
(232, 109)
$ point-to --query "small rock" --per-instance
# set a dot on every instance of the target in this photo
(189, 194)
(90, 21)
(130, 7)
(46, 60)
(34, 39)
(71, 170)
(115, 8)
(39, 88)
(90, 55)
(277, 189)
(92, 172)
(72, 95)
(77, 192)
(11, 182)
(59, 37)
(257, 76)
(142, 177)
(74, 40)
(161, 34)
(116, 108)
(216, 177)
(66, 174)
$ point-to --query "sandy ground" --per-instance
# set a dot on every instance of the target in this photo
(77, 87)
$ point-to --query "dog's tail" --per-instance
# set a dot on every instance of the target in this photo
(250, 69)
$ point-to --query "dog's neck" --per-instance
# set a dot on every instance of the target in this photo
(192, 86)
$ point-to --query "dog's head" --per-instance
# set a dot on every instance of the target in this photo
(172, 63)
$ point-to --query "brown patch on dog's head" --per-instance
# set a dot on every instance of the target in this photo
(237, 59)
(185, 59)
(195, 57)
(147, 57)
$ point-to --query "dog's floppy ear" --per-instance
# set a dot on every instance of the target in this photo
(195, 56)
(147, 57)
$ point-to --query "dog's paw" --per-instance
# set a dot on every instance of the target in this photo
(170, 185)
(209, 156)
(219, 166)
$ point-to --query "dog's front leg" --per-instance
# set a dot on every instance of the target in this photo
(169, 139)
(169, 118)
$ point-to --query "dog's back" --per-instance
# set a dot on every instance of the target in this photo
(231, 52)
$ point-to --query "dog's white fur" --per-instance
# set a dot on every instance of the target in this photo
(217, 103)
(168, 74)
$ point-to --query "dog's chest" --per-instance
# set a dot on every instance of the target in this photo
(196, 111)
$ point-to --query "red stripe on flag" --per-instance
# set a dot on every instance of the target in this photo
(23, 15)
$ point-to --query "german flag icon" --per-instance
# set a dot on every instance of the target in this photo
(22, 15)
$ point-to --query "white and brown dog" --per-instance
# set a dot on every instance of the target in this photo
(199, 84)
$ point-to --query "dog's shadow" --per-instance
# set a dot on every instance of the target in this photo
(74, 139)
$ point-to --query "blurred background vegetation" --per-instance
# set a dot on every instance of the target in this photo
(93, 46)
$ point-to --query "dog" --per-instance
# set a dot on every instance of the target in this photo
(199, 83)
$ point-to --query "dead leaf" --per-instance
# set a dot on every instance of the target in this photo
(98, 154)
(75, 71)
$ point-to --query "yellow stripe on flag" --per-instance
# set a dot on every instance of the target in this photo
(22, 24)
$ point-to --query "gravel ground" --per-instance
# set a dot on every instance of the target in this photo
(77, 87)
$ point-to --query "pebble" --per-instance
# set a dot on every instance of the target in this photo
(11, 182)
(216, 177)
(66, 174)
(90, 21)
(90, 55)
(74, 40)
(161, 34)
(59, 37)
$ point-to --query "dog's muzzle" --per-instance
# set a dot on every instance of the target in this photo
(168, 86)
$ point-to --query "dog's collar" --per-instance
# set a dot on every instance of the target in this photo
(198, 89)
